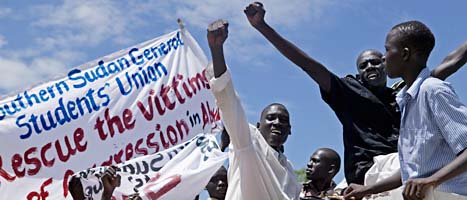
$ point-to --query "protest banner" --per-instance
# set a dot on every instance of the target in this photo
(134, 102)
(180, 172)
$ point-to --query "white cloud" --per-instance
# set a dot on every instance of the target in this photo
(281, 14)
(3, 41)
(81, 22)
(20, 71)
(15, 74)
(74, 25)
(5, 12)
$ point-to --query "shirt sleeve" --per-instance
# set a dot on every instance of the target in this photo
(232, 113)
(451, 116)
(334, 97)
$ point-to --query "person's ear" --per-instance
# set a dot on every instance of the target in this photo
(257, 124)
(406, 53)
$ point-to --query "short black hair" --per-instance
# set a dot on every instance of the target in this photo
(415, 35)
(333, 157)
(274, 104)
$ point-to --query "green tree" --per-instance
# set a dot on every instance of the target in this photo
(301, 175)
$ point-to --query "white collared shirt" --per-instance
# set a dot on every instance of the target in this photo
(256, 170)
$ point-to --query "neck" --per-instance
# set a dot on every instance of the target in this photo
(278, 149)
(321, 185)
(411, 75)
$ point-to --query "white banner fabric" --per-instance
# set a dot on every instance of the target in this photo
(186, 170)
(134, 102)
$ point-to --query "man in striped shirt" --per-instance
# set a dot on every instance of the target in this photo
(433, 131)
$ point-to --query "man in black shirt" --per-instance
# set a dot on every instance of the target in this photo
(365, 106)
(368, 112)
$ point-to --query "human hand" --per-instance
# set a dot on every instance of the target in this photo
(111, 179)
(255, 14)
(217, 33)
(417, 188)
(355, 191)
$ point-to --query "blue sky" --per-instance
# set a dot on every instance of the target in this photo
(43, 39)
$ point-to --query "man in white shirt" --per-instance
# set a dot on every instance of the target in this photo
(258, 169)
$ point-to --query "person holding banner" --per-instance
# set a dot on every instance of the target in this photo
(258, 170)
(217, 186)
(110, 181)
(355, 100)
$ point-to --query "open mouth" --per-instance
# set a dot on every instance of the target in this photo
(276, 132)
(308, 172)
(372, 76)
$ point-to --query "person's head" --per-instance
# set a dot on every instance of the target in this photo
(371, 70)
(408, 46)
(323, 165)
(274, 125)
(217, 186)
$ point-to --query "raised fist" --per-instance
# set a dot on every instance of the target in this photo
(255, 14)
(217, 33)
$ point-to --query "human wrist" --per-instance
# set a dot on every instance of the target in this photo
(216, 48)
(434, 180)
(107, 193)
(261, 26)
(371, 189)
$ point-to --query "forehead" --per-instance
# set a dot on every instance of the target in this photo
(323, 154)
(368, 55)
(392, 37)
(318, 154)
(276, 110)
(220, 175)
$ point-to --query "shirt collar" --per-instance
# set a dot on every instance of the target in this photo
(412, 92)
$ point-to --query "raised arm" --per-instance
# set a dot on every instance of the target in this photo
(217, 34)
(451, 63)
(318, 72)
(110, 180)
(232, 113)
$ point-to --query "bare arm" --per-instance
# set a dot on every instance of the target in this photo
(75, 188)
(355, 191)
(456, 167)
(110, 180)
(217, 34)
(255, 14)
(451, 63)
(417, 188)
(450, 113)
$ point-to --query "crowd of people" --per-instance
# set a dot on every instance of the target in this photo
(420, 120)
